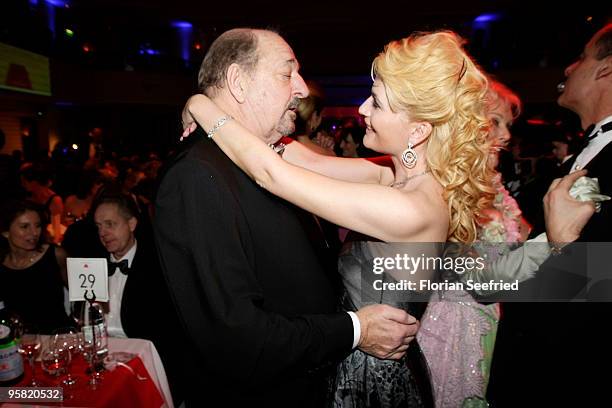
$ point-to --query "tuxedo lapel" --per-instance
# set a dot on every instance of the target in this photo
(599, 227)
(131, 285)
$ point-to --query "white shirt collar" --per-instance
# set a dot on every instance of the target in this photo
(594, 146)
(129, 255)
(599, 124)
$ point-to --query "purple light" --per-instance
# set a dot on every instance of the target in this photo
(57, 3)
(487, 18)
(182, 25)
(184, 29)
(148, 51)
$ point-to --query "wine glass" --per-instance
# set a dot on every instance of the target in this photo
(90, 348)
(55, 360)
(29, 346)
(71, 340)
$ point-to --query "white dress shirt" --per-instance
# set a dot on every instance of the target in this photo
(116, 284)
(594, 146)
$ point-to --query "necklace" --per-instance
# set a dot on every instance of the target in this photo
(407, 179)
(23, 263)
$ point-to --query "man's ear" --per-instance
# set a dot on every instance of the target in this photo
(604, 69)
(235, 79)
(132, 224)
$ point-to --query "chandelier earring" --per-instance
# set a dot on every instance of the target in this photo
(409, 156)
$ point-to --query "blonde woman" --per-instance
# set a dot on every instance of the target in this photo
(458, 334)
(426, 112)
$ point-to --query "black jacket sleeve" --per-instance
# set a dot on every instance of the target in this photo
(204, 245)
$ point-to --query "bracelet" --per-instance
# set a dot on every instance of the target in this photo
(555, 248)
(218, 125)
(279, 147)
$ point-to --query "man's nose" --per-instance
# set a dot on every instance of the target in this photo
(300, 89)
(569, 69)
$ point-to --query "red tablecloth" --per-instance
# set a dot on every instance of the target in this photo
(118, 388)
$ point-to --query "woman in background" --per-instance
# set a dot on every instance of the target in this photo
(457, 333)
(32, 273)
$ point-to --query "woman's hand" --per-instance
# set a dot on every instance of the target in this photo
(187, 120)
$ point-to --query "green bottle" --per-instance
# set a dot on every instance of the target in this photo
(11, 362)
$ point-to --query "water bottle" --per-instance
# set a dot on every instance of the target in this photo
(11, 362)
(92, 325)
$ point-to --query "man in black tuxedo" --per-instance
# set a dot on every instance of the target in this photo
(588, 92)
(541, 346)
(259, 311)
(139, 303)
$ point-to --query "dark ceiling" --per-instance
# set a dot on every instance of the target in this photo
(341, 37)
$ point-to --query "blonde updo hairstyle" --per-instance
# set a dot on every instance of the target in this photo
(431, 78)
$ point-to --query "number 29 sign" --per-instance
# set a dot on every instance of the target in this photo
(87, 278)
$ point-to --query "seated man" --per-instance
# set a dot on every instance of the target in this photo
(139, 303)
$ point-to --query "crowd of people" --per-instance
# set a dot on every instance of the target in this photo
(263, 299)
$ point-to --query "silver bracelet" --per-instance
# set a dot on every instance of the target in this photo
(555, 248)
(218, 125)
(278, 148)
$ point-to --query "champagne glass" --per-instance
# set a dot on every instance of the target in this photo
(29, 346)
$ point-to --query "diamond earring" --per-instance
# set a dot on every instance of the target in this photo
(409, 156)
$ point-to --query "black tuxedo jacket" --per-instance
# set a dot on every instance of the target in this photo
(258, 309)
(147, 312)
(544, 344)
(599, 227)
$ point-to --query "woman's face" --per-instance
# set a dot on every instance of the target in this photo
(383, 126)
(24, 232)
(348, 146)
(501, 119)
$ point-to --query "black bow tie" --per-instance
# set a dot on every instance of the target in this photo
(606, 127)
(589, 135)
(122, 265)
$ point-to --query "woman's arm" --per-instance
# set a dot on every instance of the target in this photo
(56, 208)
(375, 210)
(315, 147)
(341, 168)
(347, 169)
(61, 257)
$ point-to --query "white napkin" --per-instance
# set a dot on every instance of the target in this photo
(587, 189)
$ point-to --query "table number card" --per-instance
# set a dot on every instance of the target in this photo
(87, 277)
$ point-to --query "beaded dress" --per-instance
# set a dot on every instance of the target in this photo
(457, 333)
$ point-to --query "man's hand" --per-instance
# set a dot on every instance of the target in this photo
(386, 331)
(565, 216)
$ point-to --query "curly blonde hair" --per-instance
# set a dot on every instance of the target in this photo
(431, 78)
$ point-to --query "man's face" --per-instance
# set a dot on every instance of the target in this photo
(115, 231)
(274, 89)
(559, 150)
(580, 80)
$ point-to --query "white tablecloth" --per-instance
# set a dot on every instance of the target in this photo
(151, 360)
